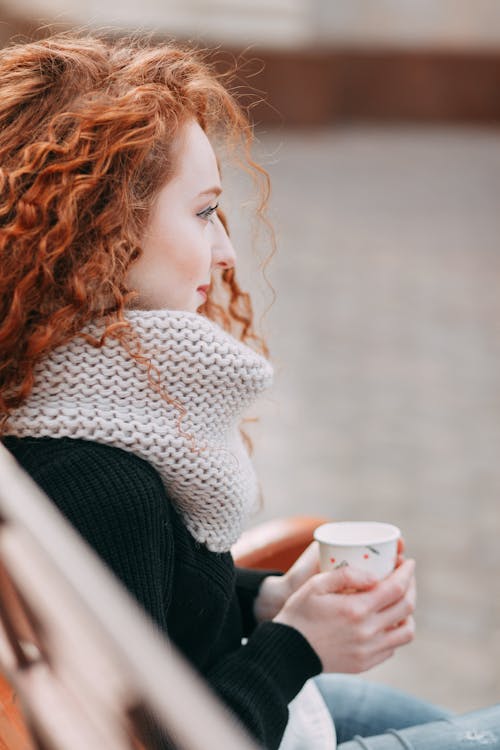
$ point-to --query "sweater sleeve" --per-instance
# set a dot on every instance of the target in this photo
(248, 582)
(260, 679)
(126, 520)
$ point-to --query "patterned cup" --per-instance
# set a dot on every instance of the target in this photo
(368, 545)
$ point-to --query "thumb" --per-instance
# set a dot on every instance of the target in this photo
(307, 564)
(346, 578)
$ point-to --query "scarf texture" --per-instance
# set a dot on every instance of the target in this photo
(104, 395)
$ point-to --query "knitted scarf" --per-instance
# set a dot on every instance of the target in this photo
(81, 391)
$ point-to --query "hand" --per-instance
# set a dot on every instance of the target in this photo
(275, 590)
(353, 632)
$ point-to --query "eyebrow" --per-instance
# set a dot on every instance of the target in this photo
(215, 189)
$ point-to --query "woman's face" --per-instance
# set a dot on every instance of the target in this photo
(184, 240)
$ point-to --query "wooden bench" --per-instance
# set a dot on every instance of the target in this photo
(84, 668)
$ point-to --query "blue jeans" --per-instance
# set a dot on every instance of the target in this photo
(369, 716)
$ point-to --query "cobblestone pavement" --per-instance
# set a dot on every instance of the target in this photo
(385, 337)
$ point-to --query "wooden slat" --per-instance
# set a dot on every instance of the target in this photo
(94, 634)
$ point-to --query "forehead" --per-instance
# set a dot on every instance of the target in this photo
(196, 161)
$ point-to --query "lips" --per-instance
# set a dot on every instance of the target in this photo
(203, 290)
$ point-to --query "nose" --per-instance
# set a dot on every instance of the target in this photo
(223, 254)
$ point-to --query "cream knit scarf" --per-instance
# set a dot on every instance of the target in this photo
(104, 395)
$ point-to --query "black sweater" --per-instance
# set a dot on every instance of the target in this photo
(119, 505)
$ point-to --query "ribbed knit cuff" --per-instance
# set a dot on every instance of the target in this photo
(289, 658)
(260, 679)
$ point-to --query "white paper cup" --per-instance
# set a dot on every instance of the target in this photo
(368, 545)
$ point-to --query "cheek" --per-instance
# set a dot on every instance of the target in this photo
(187, 252)
(180, 245)
(193, 251)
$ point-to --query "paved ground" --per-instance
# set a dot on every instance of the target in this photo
(386, 339)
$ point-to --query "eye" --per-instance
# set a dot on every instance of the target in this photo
(207, 212)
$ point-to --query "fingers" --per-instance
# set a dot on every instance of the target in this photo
(304, 567)
(344, 579)
(390, 642)
(396, 614)
(400, 552)
(401, 635)
(376, 649)
(308, 561)
(393, 588)
(386, 649)
(412, 592)
(386, 643)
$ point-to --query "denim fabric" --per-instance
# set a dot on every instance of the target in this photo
(369, 716)
(479, 730)
(367, 708)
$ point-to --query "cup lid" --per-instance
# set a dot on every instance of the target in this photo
(347, 533)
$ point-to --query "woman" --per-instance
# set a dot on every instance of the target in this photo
(125, 372)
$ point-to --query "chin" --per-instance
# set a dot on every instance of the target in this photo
(200, 306)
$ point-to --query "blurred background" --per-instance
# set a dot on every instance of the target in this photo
(379, 124)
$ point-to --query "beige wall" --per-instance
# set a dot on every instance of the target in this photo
(448, 23)
(291, 23)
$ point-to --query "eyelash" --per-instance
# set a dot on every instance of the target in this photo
(207, 212)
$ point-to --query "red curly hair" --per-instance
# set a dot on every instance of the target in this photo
(86, 128)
